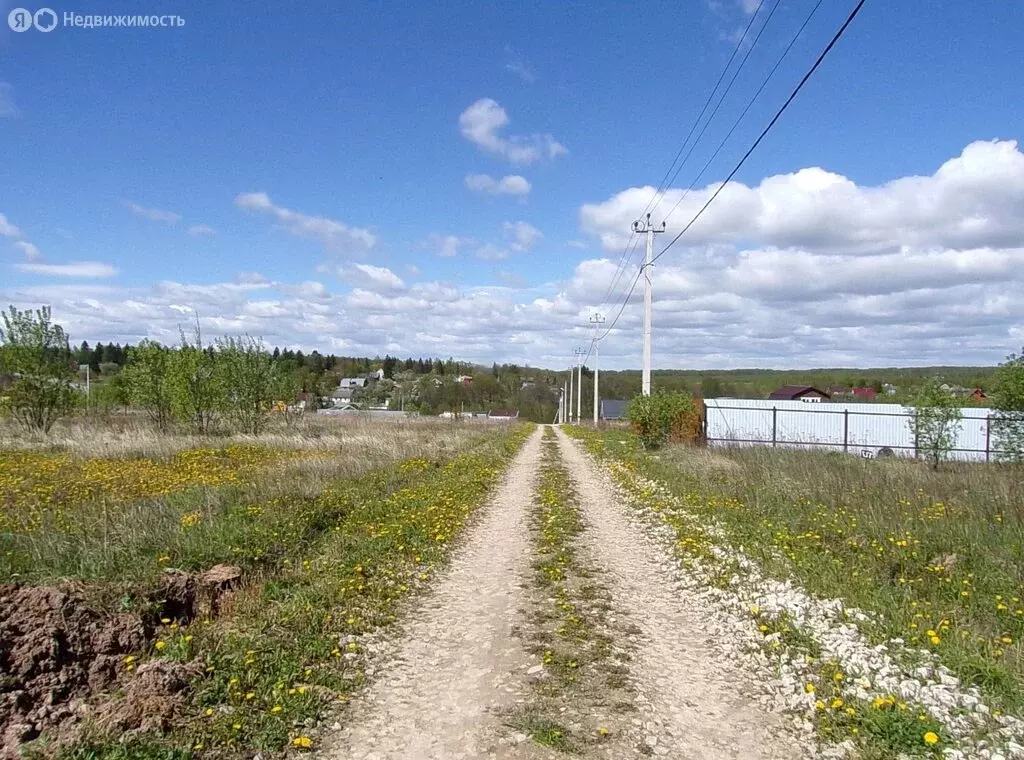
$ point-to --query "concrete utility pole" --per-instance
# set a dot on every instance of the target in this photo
(572, 371)
(579, 384)
(565, 395)
(643, 227)
(597, 320)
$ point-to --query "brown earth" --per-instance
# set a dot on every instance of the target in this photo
(62, 660)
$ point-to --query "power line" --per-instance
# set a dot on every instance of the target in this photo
(750, 103)
(721, 99)
(767, 129)
(739, 43)
(624, 257)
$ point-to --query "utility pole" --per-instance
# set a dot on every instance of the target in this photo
(569, 407)
(597, 320)
(565, 395)
(643, 226)
(579, 384)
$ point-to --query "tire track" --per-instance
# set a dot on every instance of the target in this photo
(691, 702)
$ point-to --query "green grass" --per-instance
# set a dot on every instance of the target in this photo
(937, 556)
(292, 650)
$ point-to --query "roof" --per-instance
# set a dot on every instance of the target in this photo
(613, 409)
(790, 392)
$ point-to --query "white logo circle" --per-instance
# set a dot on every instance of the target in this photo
(45, 20)
(20, 20)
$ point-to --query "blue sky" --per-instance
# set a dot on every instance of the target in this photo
(295, 175)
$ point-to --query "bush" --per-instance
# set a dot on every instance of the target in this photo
(662, 417)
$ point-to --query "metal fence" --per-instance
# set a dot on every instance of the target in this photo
(862, 429)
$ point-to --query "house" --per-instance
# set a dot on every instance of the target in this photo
(342, 393)
(375, 376)
(865, 394)
(798, 393)
(613, 409)
(977, 395)
(837, 390)
(352, 383)
(527, 384)
(503, 414)
(464, 379)
(889, 389)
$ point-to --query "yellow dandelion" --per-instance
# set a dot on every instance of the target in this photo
(930, 737)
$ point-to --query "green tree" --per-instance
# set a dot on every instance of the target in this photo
(1008, 401)
(147, 382)
(654, 417)
(35, 351)
(196, 384)
(251, 380)
(935, 422)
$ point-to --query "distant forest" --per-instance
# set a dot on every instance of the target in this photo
(534, 391)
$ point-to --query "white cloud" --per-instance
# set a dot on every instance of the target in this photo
(484, 119)
(32, 253)
(373, 278)
(524, 236)
(750, 6)
(491, 252)
(412, 270)
(577, 244)
(973, 200)
(153, 214)
(91, 269)
(8, 109)
(335, 236)
(512, 184)
(201, 229)
(737, 298)
(7, 229)
(445, 246)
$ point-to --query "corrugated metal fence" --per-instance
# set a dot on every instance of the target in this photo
(863, 429)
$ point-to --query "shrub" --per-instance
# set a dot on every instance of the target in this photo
(663, 416)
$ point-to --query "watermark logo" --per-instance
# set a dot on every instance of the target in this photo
(46, 20)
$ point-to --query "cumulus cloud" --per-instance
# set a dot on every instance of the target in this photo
(445, 246)
(8, 109)
(334, 235)
(524, 236)
(373, 278)
(481, 124)
(835, 296)
(90, 269)
(973, 200)
(513, 184)
(7, 229)
(199, 230)
(32, 253)
(153, 214)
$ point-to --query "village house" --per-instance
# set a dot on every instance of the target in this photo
(806, 393)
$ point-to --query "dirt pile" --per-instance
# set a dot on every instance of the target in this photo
(55, 651)
(62, 660)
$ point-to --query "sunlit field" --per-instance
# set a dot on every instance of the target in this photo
(321, 529)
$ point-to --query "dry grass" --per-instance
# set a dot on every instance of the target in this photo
(194, 501)
(132, 435)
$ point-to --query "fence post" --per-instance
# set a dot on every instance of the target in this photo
(988, 431)
(846, 430)
(775, 420)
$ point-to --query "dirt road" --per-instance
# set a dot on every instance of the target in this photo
(460, 667)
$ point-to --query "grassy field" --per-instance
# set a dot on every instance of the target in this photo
(332, 527)
(935, 558)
